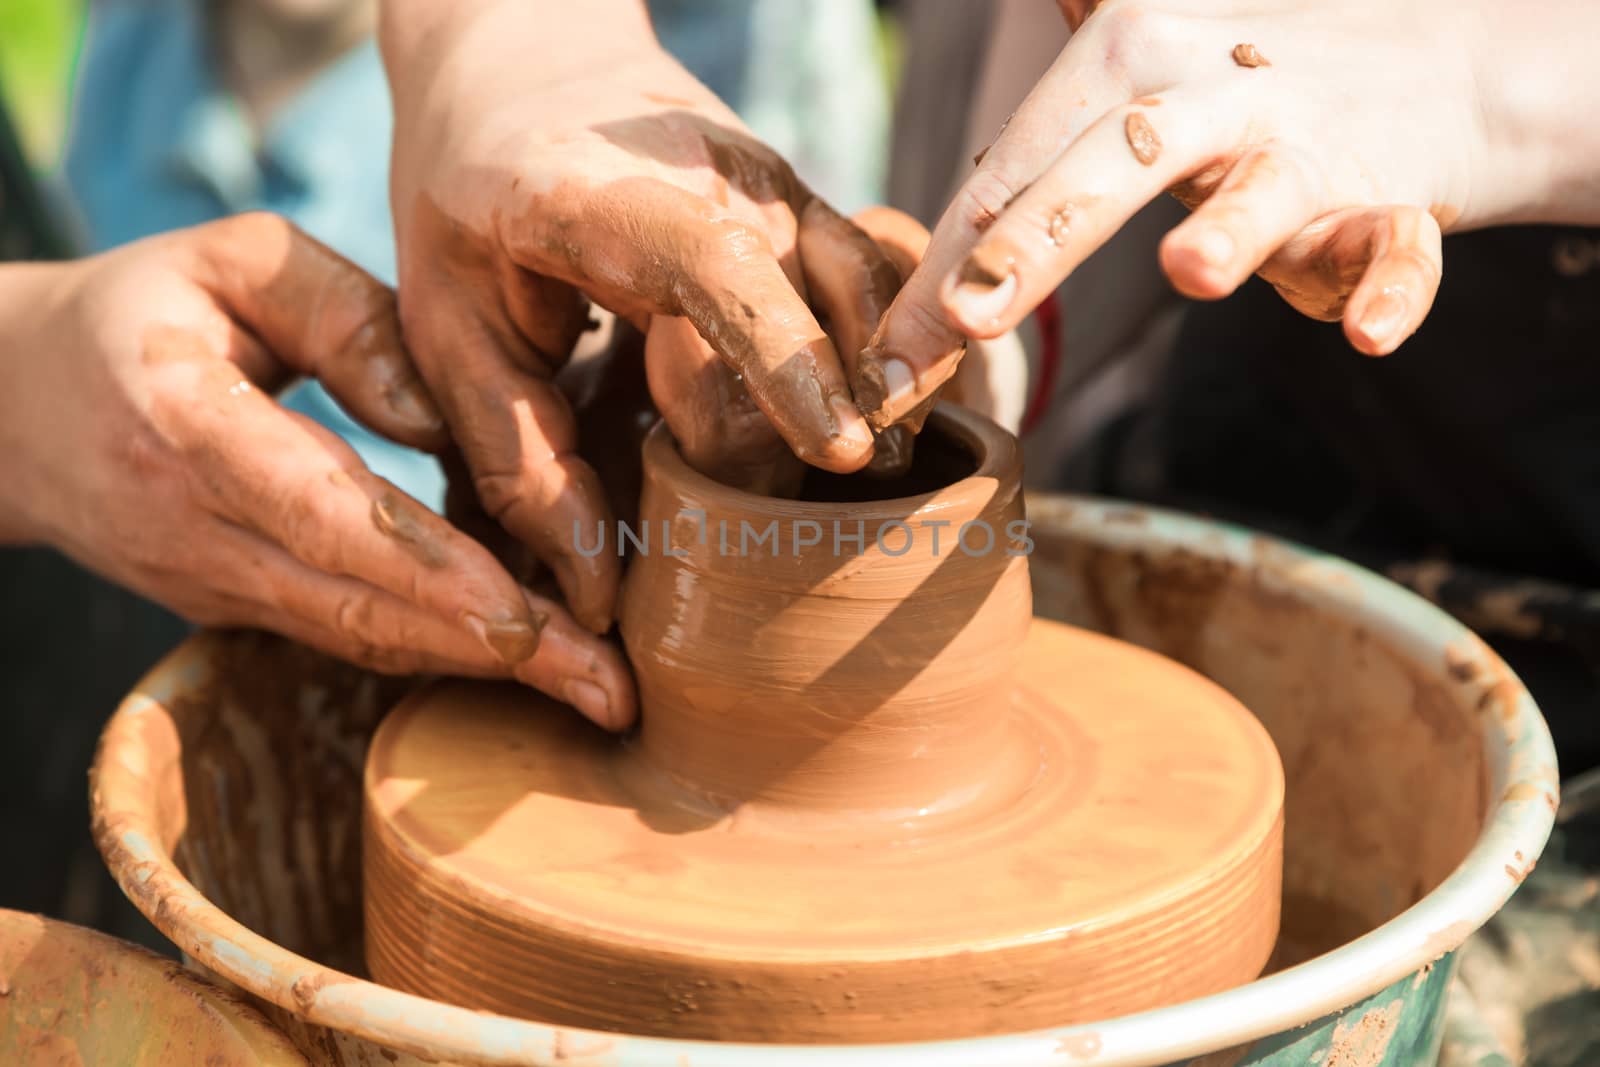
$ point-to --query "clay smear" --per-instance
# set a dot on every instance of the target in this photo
(1246, 55)
(1142, 138)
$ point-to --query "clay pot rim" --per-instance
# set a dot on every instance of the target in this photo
(1523, 782)
(993, 449)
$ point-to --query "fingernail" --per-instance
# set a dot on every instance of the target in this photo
(510, 639)
(980, 304)
(589, 699)
(1385, 316)
(899, 381)
(412, 402)
(847, 421)
(883, 384)
(1214, 246)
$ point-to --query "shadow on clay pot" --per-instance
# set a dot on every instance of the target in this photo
(837, 652)
(811, 677)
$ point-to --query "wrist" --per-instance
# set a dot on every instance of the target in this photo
(1535, 74)
(555, 38)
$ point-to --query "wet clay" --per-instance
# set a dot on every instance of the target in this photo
(1142, 138)
(871, 798)
(1060, 226)
(1246, 55)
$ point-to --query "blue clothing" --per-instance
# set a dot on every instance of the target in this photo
(157, 143)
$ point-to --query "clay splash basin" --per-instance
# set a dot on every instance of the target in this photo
(1420, 787)
(74, 996)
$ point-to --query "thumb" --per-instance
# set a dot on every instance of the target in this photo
(320, 315)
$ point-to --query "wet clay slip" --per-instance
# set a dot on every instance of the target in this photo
(871, 798)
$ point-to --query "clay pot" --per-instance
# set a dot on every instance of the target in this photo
(870, 800)
(833, 652)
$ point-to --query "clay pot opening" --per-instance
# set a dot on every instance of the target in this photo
(954, 446)
(944, 456)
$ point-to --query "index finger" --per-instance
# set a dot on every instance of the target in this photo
(918, 348)
(644, 244)
(322, 316)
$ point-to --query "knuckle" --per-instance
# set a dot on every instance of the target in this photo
(356, 317)
(985, 196)
(308, 525)
(386, 660)
(1137, 35)
(353, 618)
(736, 239)
(369, 637)
(926, 322)
(500, 493)
(147, 459)
(256, 229)
(206, 612)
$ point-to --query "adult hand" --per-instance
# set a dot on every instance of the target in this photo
(853, 273)
(138, 436)
(1324, 146)
(543, 150)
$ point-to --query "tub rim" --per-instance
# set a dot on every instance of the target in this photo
(1523, 782)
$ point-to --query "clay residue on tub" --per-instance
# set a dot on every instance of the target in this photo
(259, 767)
(1175, 595)
(1459, 664)
(396, 518)
(1142, 138)
(1520, 791)
(566, 1047)
(1246, 55)
(1474, 665)
(1365, 1041)
(1080, 1046)
(308, 987)
(1520, 874)
(1364, 725)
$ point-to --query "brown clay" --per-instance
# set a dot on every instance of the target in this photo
(870, 800)
(1061, 226)
(71, 996)
(1246, 55)
(1142, 138)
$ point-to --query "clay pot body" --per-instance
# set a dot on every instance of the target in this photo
(857, 672)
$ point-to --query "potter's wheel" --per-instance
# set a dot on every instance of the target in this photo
(1128, 857)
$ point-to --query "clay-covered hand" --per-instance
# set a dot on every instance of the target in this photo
(1322, 145)
(139, 436)
(549, 152)
(853, 271)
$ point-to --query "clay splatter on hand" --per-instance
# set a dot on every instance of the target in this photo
(1246, 55)
(1142, 138)
(1061, 226)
